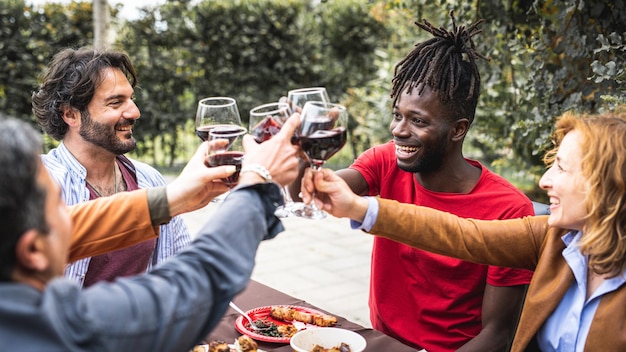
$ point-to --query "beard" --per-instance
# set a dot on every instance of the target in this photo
(104, 136)
(430, 160)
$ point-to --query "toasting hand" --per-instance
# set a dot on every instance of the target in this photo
(333, 195)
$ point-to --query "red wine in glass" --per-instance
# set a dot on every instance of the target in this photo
(320, 145)
(228, 158)
(203, 132)
(230, 132)
(265, 129)
(311, 125)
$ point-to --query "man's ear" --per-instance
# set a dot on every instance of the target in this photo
(71, 116)
(459, 130)
(30, 252)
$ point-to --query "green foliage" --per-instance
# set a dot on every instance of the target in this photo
(253, 51)
(28, 38)
(547, 56)
(250, 50)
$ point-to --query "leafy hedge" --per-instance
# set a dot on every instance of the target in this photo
(253, 51)
(546, 57)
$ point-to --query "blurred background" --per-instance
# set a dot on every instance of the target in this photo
(546, 57)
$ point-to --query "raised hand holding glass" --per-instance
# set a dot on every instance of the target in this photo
(322, 133)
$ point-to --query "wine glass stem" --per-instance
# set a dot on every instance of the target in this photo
(286, 196)
(314, 168)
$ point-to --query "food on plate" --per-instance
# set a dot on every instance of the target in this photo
(289, 314)
(246, 344)
(219, 346)
(200, 348)
(343, 347)
(242, 344)
(266, 328)
(287, 330)
(213, 346)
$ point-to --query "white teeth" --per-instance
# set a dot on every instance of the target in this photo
(406, 149)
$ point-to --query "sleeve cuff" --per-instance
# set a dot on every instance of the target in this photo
(370, 216)
(270, 195)
(158, 206)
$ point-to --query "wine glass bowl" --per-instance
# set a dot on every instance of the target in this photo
(230, 153)
(267, 119)
(215, 111)
(321, 134)
(298, 97)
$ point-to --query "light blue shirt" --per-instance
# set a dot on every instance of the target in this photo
(567, 327)
(370, 216)
(71, 176)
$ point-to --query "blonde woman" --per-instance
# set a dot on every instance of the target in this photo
(577, 297)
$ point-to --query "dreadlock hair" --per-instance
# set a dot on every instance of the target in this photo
(446, 64)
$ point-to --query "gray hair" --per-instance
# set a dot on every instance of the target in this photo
(22, 199)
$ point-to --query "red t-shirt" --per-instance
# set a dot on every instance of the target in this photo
(428, 300)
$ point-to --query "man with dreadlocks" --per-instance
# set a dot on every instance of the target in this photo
(425, 300)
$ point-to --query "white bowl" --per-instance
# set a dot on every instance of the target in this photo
(305, 340)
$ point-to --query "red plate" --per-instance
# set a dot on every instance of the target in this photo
(263, 313)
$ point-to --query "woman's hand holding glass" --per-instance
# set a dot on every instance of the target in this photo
(332, 194)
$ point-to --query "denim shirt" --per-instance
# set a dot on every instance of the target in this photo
(71, 176)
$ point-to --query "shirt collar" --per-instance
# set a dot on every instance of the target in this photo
(572, 237)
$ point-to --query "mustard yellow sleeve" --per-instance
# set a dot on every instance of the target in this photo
(514, 243)
(110, 223)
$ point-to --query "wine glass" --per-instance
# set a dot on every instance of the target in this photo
(230, 153)
(265, 121)
(215, 111)
(298, 97)
(321, 134)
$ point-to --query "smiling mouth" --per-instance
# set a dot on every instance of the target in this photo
(406, 149)
(125, 128)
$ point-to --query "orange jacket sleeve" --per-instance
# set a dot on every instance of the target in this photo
(110, 223)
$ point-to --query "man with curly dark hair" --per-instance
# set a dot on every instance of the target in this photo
(85, 100)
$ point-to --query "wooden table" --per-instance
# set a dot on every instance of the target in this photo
(258, 295)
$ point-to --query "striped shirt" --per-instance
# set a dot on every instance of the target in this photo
(71, 176)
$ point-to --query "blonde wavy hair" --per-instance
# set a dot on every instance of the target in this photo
(603, 166)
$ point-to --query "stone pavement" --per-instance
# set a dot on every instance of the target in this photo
(324, 262)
